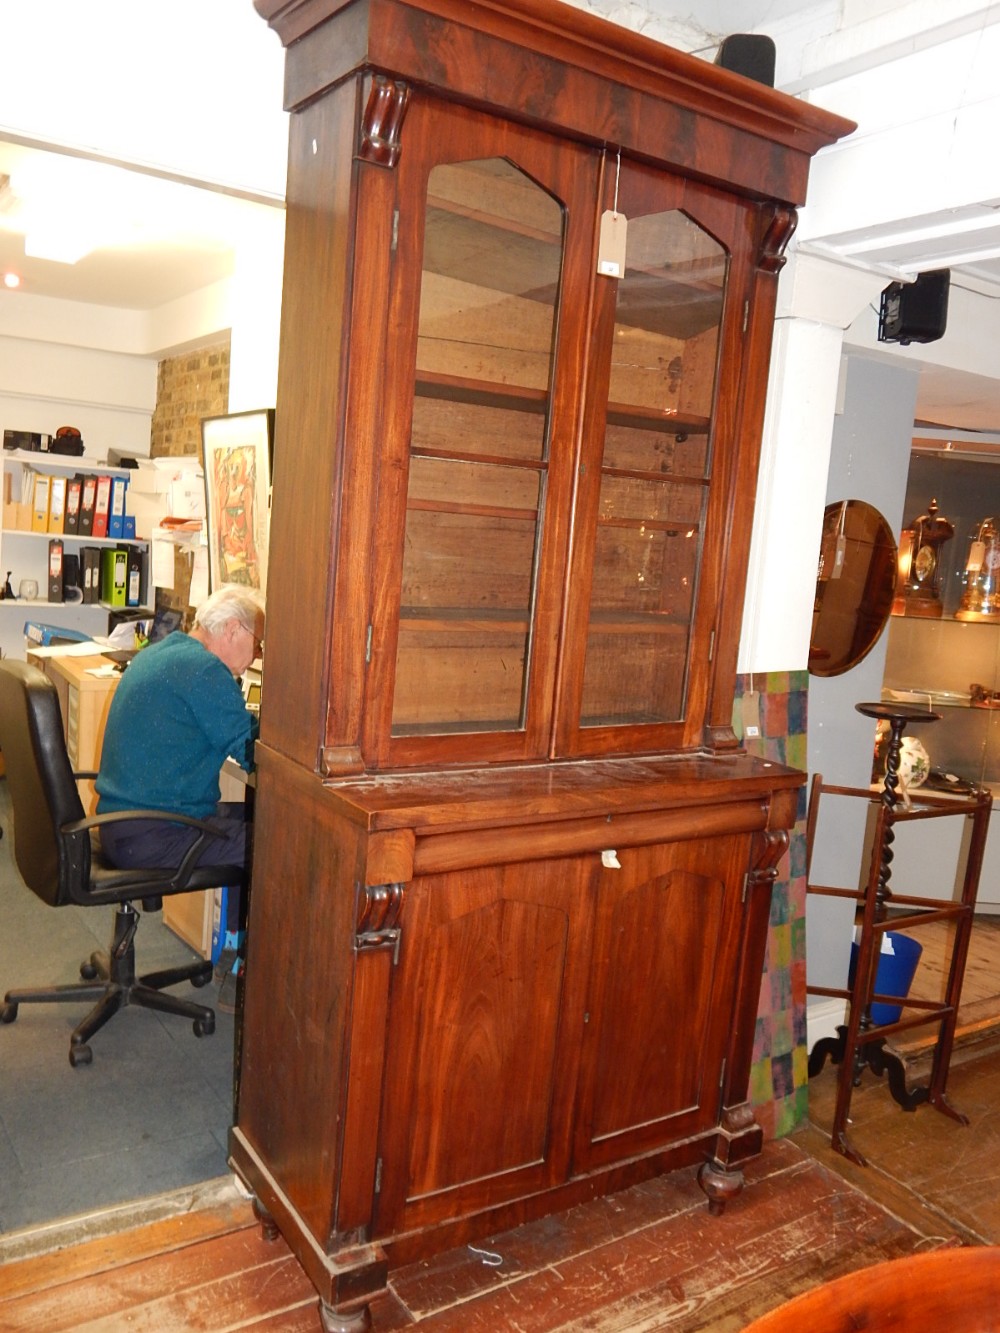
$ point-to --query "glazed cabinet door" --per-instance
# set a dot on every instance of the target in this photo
(483, 1039)
(657, 498)
(559, 446)
(479, 436)
(660, 997)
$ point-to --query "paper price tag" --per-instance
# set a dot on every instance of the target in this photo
(977, 554)
(750, 717)
(611, 247)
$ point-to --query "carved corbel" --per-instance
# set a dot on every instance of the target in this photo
(382, 121)
(769, 847)
(776, 238)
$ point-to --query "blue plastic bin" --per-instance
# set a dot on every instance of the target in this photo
(894, 974)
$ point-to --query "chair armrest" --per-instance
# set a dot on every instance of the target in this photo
(122, 816)
(190, 857)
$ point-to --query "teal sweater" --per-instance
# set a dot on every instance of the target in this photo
(177, 713)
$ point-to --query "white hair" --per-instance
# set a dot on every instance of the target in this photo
(230, 602)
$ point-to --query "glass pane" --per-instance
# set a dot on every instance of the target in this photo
(478, 449)
(655, 470)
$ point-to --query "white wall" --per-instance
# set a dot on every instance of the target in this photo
(107, 396)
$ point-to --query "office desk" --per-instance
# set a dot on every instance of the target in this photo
(84, 700)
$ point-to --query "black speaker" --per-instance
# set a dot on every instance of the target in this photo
(750, 54)
(915, 312)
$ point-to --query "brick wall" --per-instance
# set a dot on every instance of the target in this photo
(189, 387)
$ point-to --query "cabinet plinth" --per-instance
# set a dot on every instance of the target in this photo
(511, 871)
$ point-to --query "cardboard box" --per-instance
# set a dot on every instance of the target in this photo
(17, 517)
(145, 511)
(155, 476)
(186, 498)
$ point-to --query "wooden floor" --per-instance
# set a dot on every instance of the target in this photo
(979, 1011)
(648, 1259)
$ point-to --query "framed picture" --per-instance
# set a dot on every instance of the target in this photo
(236, 454)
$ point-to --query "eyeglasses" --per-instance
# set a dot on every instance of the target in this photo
(258, 644)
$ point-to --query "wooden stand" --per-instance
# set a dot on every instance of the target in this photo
(861, 1044)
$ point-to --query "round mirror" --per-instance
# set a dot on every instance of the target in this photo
(855, 586)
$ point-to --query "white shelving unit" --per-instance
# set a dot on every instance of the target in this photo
(25, 554)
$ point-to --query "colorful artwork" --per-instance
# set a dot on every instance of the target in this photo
(237, 462)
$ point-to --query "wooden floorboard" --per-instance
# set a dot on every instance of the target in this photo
(688, 1268)
(944, 1165)
(648, 1259)
(90, 1258)
(979, 1010)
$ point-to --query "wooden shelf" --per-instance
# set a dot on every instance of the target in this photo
(664, 419)
(458, 389)
(484, 393)
(442, 619)
(466, 620)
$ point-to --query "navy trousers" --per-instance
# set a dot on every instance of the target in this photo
(154, 842)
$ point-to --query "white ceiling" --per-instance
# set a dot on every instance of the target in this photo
(171, 238)
(157, 239)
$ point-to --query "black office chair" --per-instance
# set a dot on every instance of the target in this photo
(62, 863)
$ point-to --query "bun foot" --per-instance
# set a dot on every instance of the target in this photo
(337, 1321)
(719, 1186)
(268, 1226)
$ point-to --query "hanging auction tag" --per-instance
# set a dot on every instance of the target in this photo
(750, 716)
(611, 249)
(977, 554)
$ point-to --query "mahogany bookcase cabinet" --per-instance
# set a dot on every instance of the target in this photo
(512, 871)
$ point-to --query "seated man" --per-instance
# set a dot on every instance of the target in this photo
(177, 714)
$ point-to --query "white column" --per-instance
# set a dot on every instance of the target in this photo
(256, 317)
(817, 300)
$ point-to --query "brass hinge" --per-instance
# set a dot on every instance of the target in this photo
(746, 315)
(395, 230)
(368, 646)
(711, 645)
(378, 1176)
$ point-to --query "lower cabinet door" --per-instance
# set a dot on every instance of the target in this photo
(548, 1019)
(486, 1009)
(666, 951)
